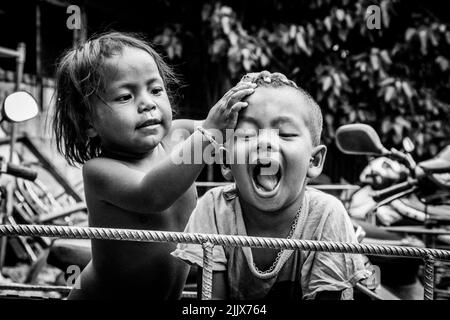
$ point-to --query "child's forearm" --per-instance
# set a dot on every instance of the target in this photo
(170, 178)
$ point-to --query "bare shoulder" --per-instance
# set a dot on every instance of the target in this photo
(103, 177)
(101, 168)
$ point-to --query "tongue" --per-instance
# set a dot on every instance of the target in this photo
(267, 182)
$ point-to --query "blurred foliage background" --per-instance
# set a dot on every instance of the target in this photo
(395, 78)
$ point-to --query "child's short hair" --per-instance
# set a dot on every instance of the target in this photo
(275, 80)
(79, 75)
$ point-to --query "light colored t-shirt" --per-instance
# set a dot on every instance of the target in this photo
(298, 274)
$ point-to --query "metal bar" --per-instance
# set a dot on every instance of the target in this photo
(429, 278)
(20, 61)
(28, 287)
(420, 230)
(65, 290)
(38, 58)
(394, 197)
(8, 53)
(335, 187)
(208, 240)
(209, 184)
(47, 165)
(6, 140)
(64, 212)
(8, 209)
(3, 242)
(189, 295)
(207, 270)
(367, 292)
(217, 239)
(50, 167)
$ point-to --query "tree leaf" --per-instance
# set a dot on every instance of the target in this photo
(433, 39)
(375, 62)
(327, 41)
(225, 24)
(340, 14)
(410, 32)
(423, 41)
(234, 38)
(389, 93)
(264, 60)
(292, 31)
(386, 82)
(385, 57)
(337, 80)
(443, 63)
(384, 12)
(326, 84)
(327, 23)
(407, 89)
(302, 44)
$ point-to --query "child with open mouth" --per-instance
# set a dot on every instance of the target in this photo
(278, 136)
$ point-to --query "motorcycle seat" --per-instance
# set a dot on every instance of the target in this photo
(440, 163)
(66, 252)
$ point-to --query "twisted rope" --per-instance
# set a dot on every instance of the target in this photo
(207, 270)
(216, 239)
(209, 240)
(429, 278)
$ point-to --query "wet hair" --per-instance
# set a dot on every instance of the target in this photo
(80, 76)
(276, 80)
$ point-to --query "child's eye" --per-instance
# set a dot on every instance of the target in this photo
(157, 90)
(287, 135)
(123, 98)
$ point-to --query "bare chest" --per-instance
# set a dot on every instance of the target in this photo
(173, 218)
(264, 258)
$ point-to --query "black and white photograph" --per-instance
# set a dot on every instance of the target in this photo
(262, 154)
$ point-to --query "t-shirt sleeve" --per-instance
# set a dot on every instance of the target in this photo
(202, 220)
(329, 271)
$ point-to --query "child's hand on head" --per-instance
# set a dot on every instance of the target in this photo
(225, 112)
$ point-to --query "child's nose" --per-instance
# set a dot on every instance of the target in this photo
(147, 104)
(268, 141)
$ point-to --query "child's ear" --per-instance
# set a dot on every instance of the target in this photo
(316, 162)
(90, 131)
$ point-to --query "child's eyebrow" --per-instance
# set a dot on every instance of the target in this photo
(275, 122)
(133, 84)
(248, 119)
(282, 120)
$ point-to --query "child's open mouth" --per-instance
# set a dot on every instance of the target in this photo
(266, 176)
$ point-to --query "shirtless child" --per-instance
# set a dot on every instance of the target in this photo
(113, 114)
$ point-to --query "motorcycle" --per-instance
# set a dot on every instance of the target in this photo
(399, 200)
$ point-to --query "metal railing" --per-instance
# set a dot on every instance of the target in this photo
(208, 241)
